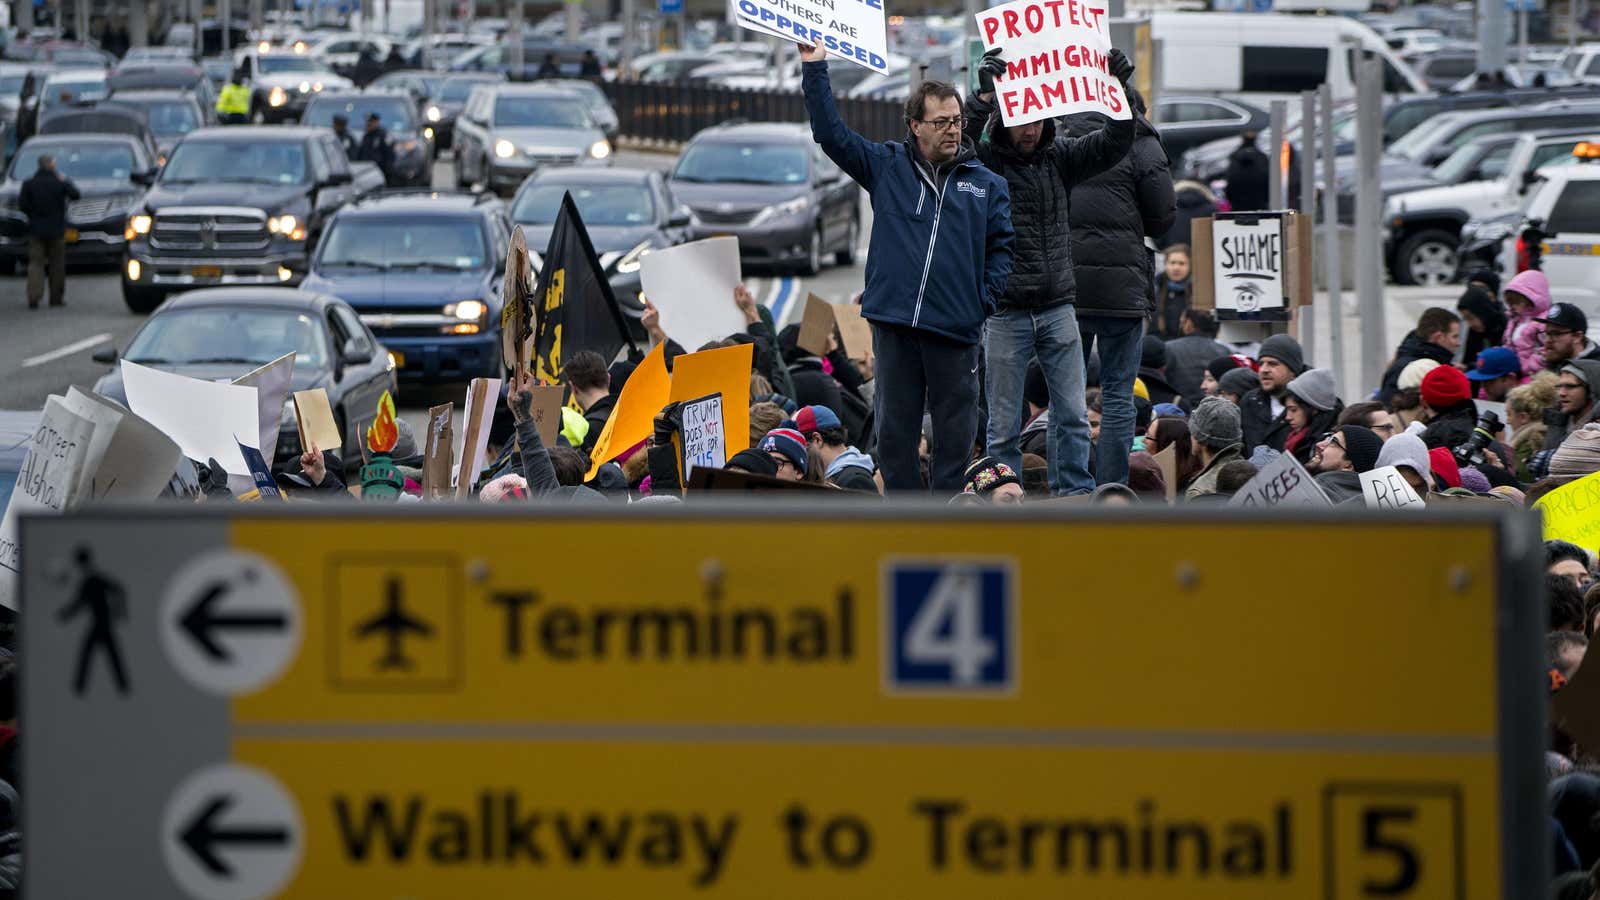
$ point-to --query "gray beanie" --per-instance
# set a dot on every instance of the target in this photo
(1316, 387)
(1238, 381)
(1284, 349)
(1215, 423)
(1407, 450)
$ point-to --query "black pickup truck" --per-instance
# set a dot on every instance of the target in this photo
(238, 205)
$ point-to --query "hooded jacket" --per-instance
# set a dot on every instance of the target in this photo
(1113, 213)
(1524, 335)
(1410, 350)
(1040, 185)
(1206, 482)
(1487, 309)
(1249, 170)
(1563, 424)
(1341, 487)
(941, 237)
(852, 470)
(1193, 201)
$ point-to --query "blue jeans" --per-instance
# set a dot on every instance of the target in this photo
(1119, 341)
(1012, 337)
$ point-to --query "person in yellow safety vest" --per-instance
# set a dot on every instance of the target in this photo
(233, 102)
(574, 427)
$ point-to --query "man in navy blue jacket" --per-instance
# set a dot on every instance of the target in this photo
(936, 267)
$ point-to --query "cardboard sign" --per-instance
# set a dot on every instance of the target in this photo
(854, 331)
(129, 459)
(854, 31)
(816, 326)
(314, 417)
(1055, 53)
(633, 419)
(515, 316)
(1575, 709)
(47, 482)
(725, 371)
(1387, 489)
(708, 479)
(272, 382)
(703, 440)
(436, 457)
(260, 473)
(1167, 461)
(1248, 263)
(202, 417)
(547, 403)
(692, 285)
(482, 395)
(1282, 482)
(1572, 513)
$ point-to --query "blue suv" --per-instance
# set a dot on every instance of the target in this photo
(423, 270)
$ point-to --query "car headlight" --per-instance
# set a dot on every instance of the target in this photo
(286, 226)
(466, 310)
(305, 87)
(504, 149)
(140, 224)
(786, 208)
(631, 260)
(316, 87)
(427, 133)
(277, 97)
(433, 114)
(600, 149)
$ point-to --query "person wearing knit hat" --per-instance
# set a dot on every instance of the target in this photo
(1217, 435)
(1448, 408)
(1445, 387)
(1213, 375)
(1261, 410)
(753, 461)
(1488, 279)
(1168, 410)
(1577, 401)
(1436, 337)
(1474, 481)
(787, 447)
(1236, 383)
(843, 466)
(1311, 408)
(1579, 454)
(510, 487)
(992, 481)
(1411, 376)
(1351, 448)
(1445, 468)
(1409, 454)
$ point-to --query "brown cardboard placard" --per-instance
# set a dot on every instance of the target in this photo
(547, 401)
(1202, 283)
(1575, 709)
(514, 312)
(708, 479)
(816, 326)
(315, 419)
(854, 332)
(1167, 460)
(437, 452)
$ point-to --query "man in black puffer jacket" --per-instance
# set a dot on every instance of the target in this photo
(1035, 315)
(1116, 217)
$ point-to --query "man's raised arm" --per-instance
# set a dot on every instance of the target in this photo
(848, 150)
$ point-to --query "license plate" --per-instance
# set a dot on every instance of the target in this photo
(71, 236)
(207, 271)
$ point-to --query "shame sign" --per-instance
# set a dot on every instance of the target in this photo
(1247, 254)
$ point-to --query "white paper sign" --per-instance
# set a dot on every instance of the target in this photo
(129, 459)
(484, 393)
(1282, 482)
(271, 382)
(48, 482)
(1055, 53)
(852, 29)
(201, 416)
(1387, 489)
(703, 434)
(692, 285)
(1247, 261)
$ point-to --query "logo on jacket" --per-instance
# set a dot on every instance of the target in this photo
(974, 190)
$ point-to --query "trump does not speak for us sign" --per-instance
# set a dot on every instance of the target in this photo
(1055, 53)
(853, 29)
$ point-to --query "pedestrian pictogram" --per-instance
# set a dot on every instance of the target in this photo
(103, 601)
(395, 625)
(230, 622)
(231, 832)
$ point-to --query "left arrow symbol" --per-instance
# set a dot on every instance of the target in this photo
(204, 837)
(202, 621)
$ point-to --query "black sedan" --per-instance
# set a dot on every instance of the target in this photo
(223, 333)
(413, 154)
(110, 172)
(627, 212)
(1186, 122)
(445, 104)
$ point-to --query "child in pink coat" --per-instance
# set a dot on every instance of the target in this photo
(1528, 298)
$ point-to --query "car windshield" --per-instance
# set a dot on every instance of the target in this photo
(255, 162)
(540, 112)
(394, 113)
(765, 163)
(598, 204)
(65, 93)
(432, 242)
(12, 84)
(247, 335)
(456, 89)
(282, 65)
(169, 117)
(65, 58)
(1459, 163)
(1414, 144)
(76, 160)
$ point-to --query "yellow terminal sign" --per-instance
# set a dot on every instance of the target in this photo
(905, 703)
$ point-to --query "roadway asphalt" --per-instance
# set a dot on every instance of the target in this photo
(43, 351)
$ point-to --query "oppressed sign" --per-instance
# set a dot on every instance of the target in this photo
(703, 444)
(1572, 512)
(1282, 482)
(1247, 259)
(852, 29)
(1055, 53)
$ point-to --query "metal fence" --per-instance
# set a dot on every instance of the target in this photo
(677, 112)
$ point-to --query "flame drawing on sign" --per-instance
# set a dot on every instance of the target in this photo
(385, 432)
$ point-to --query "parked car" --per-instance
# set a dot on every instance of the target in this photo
(110, 172)
(1443, 69)
(500, 59)
(628, 213)
(1187, 121)
(770, 185)
(670, 65)
(445, 105)
(237, 205)
(423, 269)
(220, 334)
(507, 132)
(171, 114)
(1523, 76)
(1582, 62)
(413, 156)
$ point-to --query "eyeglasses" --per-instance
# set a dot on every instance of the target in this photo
(1550, 333)
(943, 124)
(782, 461)
(1334, 442)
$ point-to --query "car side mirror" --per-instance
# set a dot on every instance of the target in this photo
(106, 355)
(144, 178)
(1529, 179)
(1436, 157)
(353, 355)
(681, 218)
(337, 178)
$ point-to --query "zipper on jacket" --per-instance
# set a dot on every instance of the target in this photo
(922, 192)
(933, 238)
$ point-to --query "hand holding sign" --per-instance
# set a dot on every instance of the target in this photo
(1060, 60)
(809, 53)
(989, 67)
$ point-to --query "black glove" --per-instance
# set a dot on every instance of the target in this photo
(988, 67)
(213, 480)
(1120, 65)
(668, 422)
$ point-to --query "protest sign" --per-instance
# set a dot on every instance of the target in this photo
(692, 285)
(515, 318)
(634, 417)
(547, 403)
(706, 478)
(1167, 461)
(201, 416)
(854, 331)
(1282, 482)
(1575, 709)
(482, 395)
(271, 382)
(1572, 513)
(314, 417)
(701, 437)
(1247, 263)
(436, 453)
(1055, 53)
(852, 30)
(260, 472)
(48, 481)
(1387, 489)
(816, 326)
(725, 371)
(134, 461)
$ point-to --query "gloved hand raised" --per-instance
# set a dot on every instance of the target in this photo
(1120, 65)
(988, 67)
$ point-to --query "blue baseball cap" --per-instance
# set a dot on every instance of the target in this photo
(1495, 362)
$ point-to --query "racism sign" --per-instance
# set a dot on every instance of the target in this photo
(1055, 53)
(1248, 260)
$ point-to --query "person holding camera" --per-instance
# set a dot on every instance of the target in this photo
(1454, 424)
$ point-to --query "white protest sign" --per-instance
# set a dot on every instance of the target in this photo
(201, 416)
(1387, 489)
(849, 29)
(1055, 53)
(692, 285)
(704, 439)
(129, 459)
(482, 395)
(1247, 263)
(271, 382)
(1282, 482)
(48, 481)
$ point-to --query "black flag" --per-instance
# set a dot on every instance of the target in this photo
(574, 308)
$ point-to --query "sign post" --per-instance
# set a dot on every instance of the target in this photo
(929, 715)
